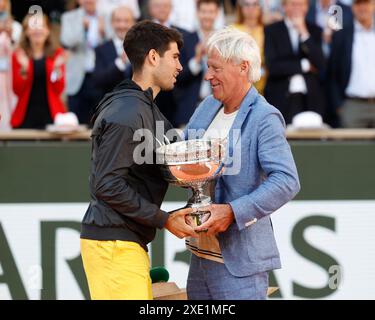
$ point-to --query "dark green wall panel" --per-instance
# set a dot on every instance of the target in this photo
(58, 171)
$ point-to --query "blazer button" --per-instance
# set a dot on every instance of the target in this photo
(248, 224)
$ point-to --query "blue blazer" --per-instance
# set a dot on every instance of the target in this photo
(262, 178)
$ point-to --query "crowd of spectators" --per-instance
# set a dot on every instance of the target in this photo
(317, 55)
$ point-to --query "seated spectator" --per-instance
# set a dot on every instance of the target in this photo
(112, 65)
(294, 60)
(38, 76)
(82, 30)
(191, 88)
(249, 19)
(352, 68)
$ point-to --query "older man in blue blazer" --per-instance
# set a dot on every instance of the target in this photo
(236, 247)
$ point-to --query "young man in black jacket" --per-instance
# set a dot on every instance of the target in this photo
(126, 195)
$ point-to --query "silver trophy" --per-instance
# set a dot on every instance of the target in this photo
(193, 164)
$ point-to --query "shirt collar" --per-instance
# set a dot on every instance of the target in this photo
(360, 28)
(94, 16)
(289, 23)
(201, 35)
(117, 41)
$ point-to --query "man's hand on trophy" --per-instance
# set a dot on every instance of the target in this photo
(176, 224)
(221, 218)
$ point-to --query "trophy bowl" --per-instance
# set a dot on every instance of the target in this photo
(193, 164)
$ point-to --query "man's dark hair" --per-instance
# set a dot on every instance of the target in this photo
(200, 2)
(145, 36)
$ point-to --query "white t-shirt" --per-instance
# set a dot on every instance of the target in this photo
(220, 126)
(363, 63)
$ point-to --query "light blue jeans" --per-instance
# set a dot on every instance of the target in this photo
(210, 280)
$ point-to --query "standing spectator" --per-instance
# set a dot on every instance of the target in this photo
(160, 12)
(191, 87)
(294, 59)
(82, 30)
(320, 14)
(249, 19)
(112, 65)
(106, 7)
(352, 68)
(184, 15)
(38, 76)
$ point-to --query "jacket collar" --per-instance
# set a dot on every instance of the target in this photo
(245, 108)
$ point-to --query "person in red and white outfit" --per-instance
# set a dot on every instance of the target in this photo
(38, 76)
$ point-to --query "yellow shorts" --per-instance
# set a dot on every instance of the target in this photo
(116, 270)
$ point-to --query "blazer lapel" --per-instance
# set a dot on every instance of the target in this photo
(112, 50)
(285, 37)
(80, 14)
(202, 122)
(348, 52)
(235, 131)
